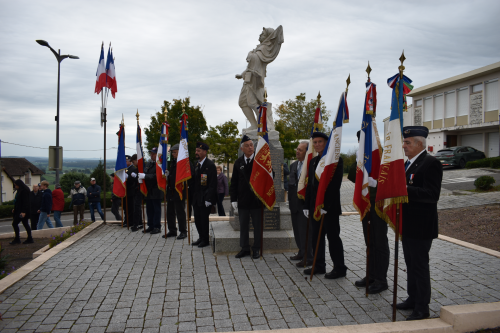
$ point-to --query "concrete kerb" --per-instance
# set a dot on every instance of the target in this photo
(37, 262)
(470, 245)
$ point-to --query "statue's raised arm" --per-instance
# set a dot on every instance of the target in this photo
(252, 93)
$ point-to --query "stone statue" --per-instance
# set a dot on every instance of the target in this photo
(252, 93)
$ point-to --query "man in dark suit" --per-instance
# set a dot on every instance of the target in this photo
(331, 212)
(296, 205)
(244, 199)
(424, 174)
(137, 198)
(131, 189)
(155, 195)
(204, 193)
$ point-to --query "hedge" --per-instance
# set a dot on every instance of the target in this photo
(491, 162)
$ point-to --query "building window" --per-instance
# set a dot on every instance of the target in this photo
(451, 104)
(438, 106)
(428, 109)
(463, 102)
(477, 88)
(27, 178)
(491, 95)
(418, 103)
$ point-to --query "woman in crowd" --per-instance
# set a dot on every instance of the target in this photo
(222, 190)
(21, 211)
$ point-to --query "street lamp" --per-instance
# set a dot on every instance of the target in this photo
(59, 58)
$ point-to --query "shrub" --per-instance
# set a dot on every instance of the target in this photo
(495, 163)
(65, 235)
(484, 163)
(484, 182)
(6, 210)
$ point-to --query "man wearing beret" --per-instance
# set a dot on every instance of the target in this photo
(131, 182)
(204, 193)
(155, 195)
(244, 199)
(424, 174)
(331, 212)
(137, 196)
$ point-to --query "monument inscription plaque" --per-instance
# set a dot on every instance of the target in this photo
(271, 219)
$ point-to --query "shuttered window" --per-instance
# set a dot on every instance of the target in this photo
(451, 104)
(491, 98)
(438, 106)
(463, 102)
(428, 109)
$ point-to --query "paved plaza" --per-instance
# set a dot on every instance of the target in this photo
(114, 280)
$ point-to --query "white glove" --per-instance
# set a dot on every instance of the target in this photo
(167, 173)
(140, 181)
(126, 176)
(133, 174)
(141, 176)
(208, 204)
(235, 205)
(372, 182)
(323, 211)
(306, 212)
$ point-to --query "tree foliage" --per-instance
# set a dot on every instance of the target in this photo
(100, 176)
(67, 181)
(197, 125)
(224, 142)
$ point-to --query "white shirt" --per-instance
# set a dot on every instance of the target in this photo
(249, 159)
(201, 163)
(299, 168)
(414, 158)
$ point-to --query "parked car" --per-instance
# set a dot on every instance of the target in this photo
(458, 156)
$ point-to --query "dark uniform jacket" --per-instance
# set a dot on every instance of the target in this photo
(35, 201)
(132, 182)
(172, 194)
(420, 217)
(151, 184)
(294, 203)
(240, 189)
(332, 194)
(205, 190)
(22, 202)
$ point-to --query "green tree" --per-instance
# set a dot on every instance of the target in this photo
(288, 139)
(197, 125)
(101, 176)
(224, 142)
(68, 180)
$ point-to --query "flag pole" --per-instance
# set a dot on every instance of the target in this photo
(188, 215)
(122, 212)
(368, 223)
(317, 246)
(262, 208)
(166, 185)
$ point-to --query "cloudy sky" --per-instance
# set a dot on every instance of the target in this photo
(173, 49)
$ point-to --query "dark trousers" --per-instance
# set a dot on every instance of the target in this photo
(331, 227)
(201, 214)
(129, 210)
(379, 246)
(176, 208)
(115, 208)
(245, 215)
(34, 217)
(299, 224)
(220, 207)
(153, 210)
(78, 209)
(15, 225)
(416, 252)
(137, 210)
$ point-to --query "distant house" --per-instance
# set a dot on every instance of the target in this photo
(17, 168)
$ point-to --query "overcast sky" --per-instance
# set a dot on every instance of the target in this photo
(173, 49)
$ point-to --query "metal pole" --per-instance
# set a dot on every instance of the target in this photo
(396, 249)
(317, 246)
(57, 117)
(367, 256)
(188, 211)
(105, 177)
(262, 231)
(122, 212)
(143, 216)
(165, 212)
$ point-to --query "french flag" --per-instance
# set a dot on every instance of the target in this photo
(331, 155)
(119, 186)
(161, 159)
(140, 159)
(391, 188)
(369, 153)
(100, 76)
(110, 73)
(183, 172)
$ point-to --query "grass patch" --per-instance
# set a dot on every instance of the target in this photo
(492, 189)
(65, 235)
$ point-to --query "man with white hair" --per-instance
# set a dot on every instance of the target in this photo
(424, 174)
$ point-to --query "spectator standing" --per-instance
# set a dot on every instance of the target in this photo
(35, 202)
(58, 204)
(222, 190)
(94, 197)
(77, 195)
(45, 207)
(21, 212)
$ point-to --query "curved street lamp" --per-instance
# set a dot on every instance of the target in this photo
(59, 58)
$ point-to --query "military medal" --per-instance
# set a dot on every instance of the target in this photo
(411, 179)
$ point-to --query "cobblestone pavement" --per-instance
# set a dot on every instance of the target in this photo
(117, 281)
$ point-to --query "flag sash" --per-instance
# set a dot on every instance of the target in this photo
(140, 159)
(183, 171)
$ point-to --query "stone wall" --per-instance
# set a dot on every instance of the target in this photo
(476, 109)
(417, 116)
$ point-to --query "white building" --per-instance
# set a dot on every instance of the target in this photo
(17, 168)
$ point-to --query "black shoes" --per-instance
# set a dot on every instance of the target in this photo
(29, 241)
(417, 315)
(139, 226)
(155, 231)
(182, 236)
(171, 234)
(296, 257)
(134, 228)
(148, 230)
(334, 275)
(405, 306)
(362, 283)
(196, 243)
(203, 244)
(377, 287)
(301, 263)
(15, 241)
(317, 270)
(242, 254)
(256, 254)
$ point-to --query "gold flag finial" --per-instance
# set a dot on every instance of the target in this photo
(319, 96)
(123, 121)
(348, 81)
(183, 107)
(368, 69)
(265, 94)
(165, 113)
(402, 59)
(137, 115)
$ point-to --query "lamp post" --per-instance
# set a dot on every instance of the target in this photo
(59, 58)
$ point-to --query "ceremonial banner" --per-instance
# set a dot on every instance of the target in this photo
(140, 159)
(100, 75)
(110, 73)
(119, 186)
(161, 159)
(183, 172)
(369, 153)
(331, 155)
(317, 126)
(392, 178)
(261, 179)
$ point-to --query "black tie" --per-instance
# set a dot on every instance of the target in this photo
(248, 160)
(407, 164)
(197, 170)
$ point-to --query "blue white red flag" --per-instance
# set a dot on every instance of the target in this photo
(140, 159)
(392, 178)
(261, 179)
(369, 153)
(161, 158)
(100, 75)
(119, 185)
(110, 73)
(331, 155)
(183, 172)
(317, 126)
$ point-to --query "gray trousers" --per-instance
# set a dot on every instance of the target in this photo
(299, 224)
(244, 215)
